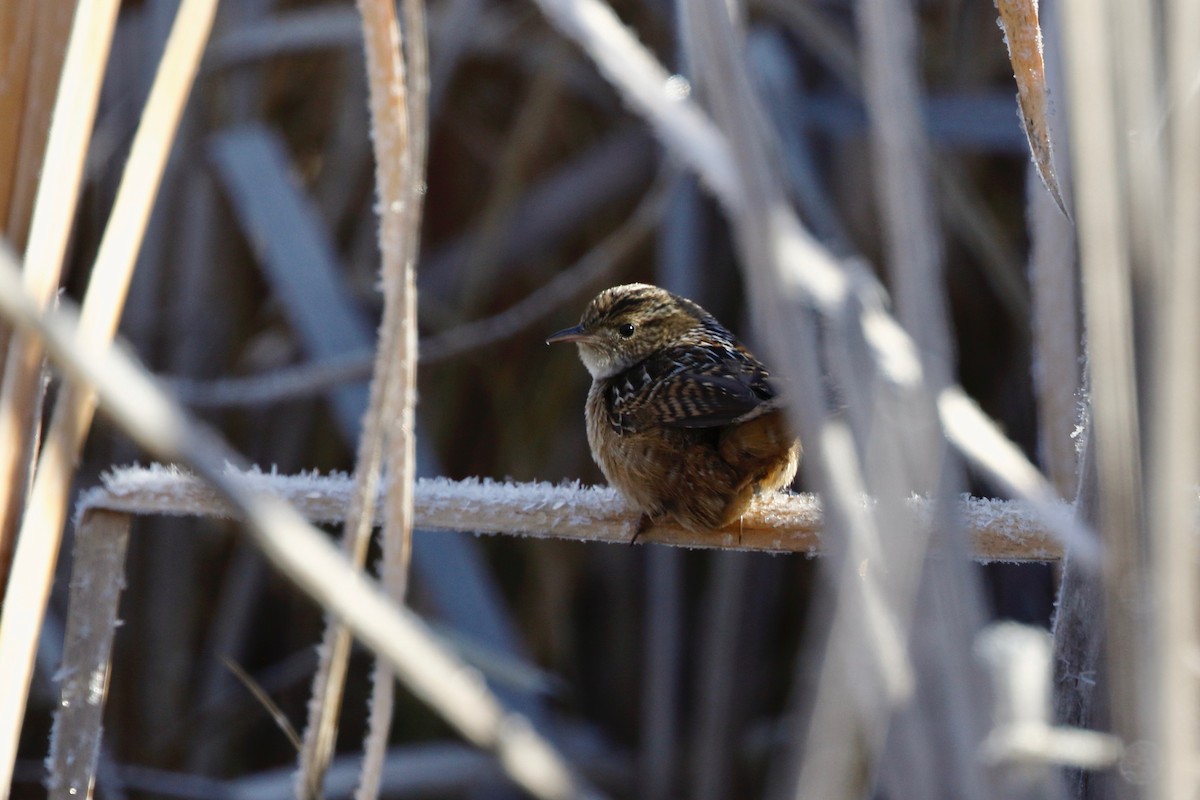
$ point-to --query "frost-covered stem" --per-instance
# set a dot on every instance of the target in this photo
(784, 293)
(398, 125)
(691, 135)
(431, 671)
(417, 52)
(1053, 274)
(1097, 134)
(784, 523)
(385, 78)
(864, 665)
(1054, 300)
(97, 577)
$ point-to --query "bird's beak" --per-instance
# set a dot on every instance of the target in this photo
(573, 334)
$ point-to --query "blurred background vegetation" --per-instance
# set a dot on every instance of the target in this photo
(262, 256)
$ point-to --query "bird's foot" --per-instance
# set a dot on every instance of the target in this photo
(644, 523)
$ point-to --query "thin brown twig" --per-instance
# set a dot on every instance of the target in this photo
(260, 694)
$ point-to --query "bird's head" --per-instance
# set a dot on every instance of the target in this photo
(626, 324)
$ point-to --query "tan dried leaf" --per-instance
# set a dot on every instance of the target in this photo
(1023, 35)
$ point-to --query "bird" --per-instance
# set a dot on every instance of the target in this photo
(681, 417)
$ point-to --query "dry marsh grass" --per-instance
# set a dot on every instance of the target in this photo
(337, 235)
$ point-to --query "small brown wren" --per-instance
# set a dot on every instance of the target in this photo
(681, 416)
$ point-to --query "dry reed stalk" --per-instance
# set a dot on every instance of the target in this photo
(901, 169)
(923, 751)
(391, 397)
(437, 677)
(78, 93)
(691, 136)
(662, 692)
(792, 281)
(1055, 328)
(1078, 621)
(1137, 78)
(42, 525)
(53, 212)
(1137, 201)
(647, 87)
(328, 686)
(1080, 696)
(1054, 307)
(97, 577)
(1023, 35)
(399, 131)
(1175, 428)
(16, 43)
(49, 27)
(1104, 249)
(716, 695)
(786, 523)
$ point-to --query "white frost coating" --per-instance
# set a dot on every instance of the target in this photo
(568, 510)
(1001, 530)
(678, 87)
(978, 438)
(644, 82)
(95, 692)
(171, 491)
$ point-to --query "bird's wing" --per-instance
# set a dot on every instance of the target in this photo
(692, 386)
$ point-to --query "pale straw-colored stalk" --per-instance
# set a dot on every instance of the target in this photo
(399, 89)
(50, 232)
(1174, 472)
(413, 652)
(37, 44)
(388, 430)
(1104, 248)
(42, 524)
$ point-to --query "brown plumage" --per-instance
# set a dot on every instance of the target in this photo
(681, 416)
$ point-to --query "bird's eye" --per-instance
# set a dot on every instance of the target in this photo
(626, 330)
